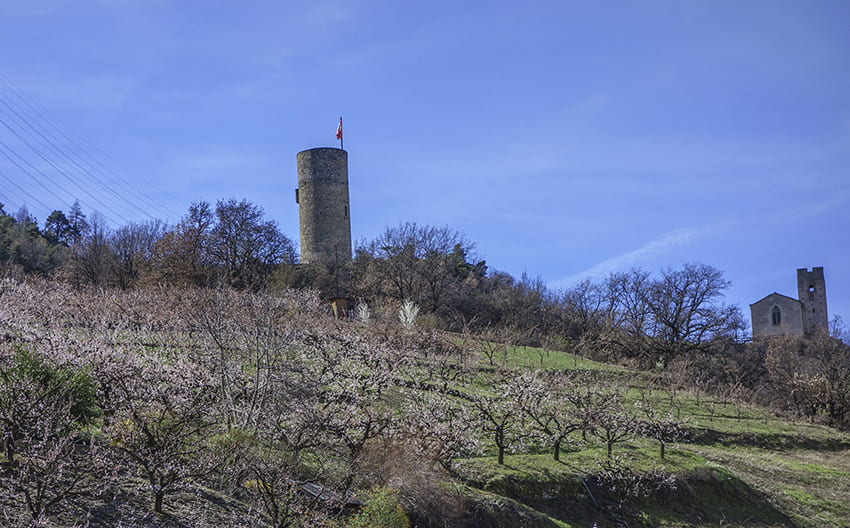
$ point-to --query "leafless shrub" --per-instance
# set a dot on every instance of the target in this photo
(404, 464)
(273, 481)
(493, 344)
(616, 477)
(41, 411)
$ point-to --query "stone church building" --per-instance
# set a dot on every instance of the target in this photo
(779, 314)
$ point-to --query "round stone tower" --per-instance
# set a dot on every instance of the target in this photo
(323, 207)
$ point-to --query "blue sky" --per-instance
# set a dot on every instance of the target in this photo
(567, 139)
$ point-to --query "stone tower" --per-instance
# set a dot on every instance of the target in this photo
(323, 206)
(811, 289)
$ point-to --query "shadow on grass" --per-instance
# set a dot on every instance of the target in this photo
(775, 441)
(705, 496)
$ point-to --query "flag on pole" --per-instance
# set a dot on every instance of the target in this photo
(339, 130)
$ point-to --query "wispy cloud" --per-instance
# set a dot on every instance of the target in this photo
(662, 244)
(822, 206)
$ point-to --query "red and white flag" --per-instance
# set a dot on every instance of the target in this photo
(339, 129)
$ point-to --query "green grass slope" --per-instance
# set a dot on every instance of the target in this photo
(742, 466)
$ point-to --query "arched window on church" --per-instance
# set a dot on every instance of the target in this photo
(776, 316)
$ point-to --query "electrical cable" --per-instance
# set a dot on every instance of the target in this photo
(57, 169)
(24, 191)
(57, 150)
(5, 149)
(83, 155)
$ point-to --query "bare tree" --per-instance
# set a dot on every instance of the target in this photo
(492, 342)
(423, 264)
(92, 259)
(687, 311)
(159, 418)
(614, 423)
(553, 403)
(663, 428)
(812, 375)
(245, 245)
(133, 246)
(180, 256)
(654, 321)
(499, 416)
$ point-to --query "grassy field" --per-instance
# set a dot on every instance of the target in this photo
(742, 466)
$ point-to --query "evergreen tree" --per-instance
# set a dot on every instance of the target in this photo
(78, 225)
(57, 228)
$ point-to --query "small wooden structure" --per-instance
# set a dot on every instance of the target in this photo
(340, 306)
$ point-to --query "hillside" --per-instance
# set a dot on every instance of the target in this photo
(182, 407)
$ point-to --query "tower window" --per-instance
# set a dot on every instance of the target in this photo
(776, 316)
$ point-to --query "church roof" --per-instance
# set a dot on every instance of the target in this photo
(772, 295)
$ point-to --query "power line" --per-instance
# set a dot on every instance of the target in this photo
(5, 149)
(57, 150)
(6, 201)
(24, 191)
(54, 143)
(57, 169)
(10, 204)
(84, 156)
(128, 185)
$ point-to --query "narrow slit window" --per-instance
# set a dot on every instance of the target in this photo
(776, 316)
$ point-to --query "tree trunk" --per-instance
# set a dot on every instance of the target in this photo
(500, 443)
(157, 501)
(9, 447)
